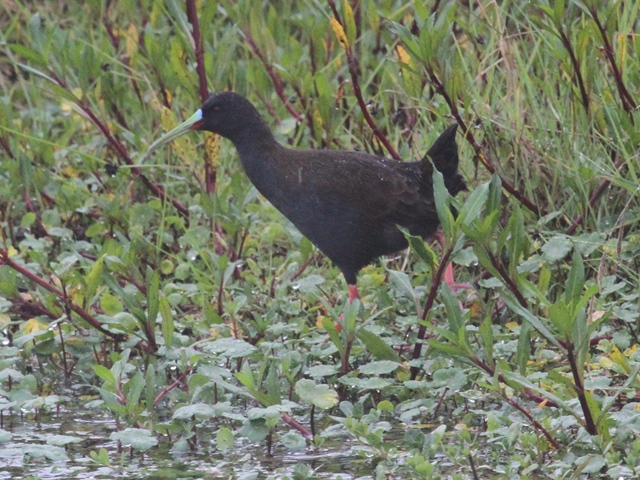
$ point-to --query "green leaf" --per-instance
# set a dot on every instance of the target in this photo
(105, 374)
(168, 326)
(447, 348)
(198, 410)
(62, 440)
(93, 279)
(332, 331)
(562, 318)
(377, 346)
(136, 438)
(518, 239)
(596, 413)
(319, 395)
(421, 248)
(523, 351)
(556, 248)
(133, 389)
(381, 367)
(28, 54)
(224, 439)
(575, 282)
(454, 314)
(149, 385)
(535, 322)
(350, 23)
(294, 442)
(443, 201)
(558, 11)
(229, 348)
(153, 298)
(486, 334)
(474, 204)
(402, 282)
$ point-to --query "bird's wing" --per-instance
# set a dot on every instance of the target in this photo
(385, 191)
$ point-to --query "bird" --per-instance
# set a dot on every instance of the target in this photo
(347, 203)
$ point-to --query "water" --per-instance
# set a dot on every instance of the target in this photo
(27, 455)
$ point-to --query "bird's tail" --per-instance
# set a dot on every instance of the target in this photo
(444, 155)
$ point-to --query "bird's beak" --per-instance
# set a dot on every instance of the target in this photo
(194, 122)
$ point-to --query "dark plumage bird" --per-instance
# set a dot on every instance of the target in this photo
(347, 203)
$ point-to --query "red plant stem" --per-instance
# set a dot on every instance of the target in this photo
(422, 330)
(286, 418)
(210, 173)
(590, 426)
(5, 259)
(168, 388)
(352, 62)
(278, 83)
(192, 16)
(627, 100)
(511, 284)
(576, 69)
(533, 421)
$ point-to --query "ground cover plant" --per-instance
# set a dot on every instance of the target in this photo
(163, 292)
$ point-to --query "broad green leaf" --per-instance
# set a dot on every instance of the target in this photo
(319, 395)
(93, 279)
(62, 440)
(556, 248)
(377, 346)
(136, 438)
(199, 410)
(474, 204)
(562, 318)
(421, 248)
(402, 282)
(224, 439)
(105, 374)
(229, 348)
(381, 367)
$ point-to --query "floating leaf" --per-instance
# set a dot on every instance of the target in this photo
(319, 395)
(136, 438)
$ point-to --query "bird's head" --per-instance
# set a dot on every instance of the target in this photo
(225, 113)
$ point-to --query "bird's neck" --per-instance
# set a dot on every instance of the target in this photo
(259, 154)
(254, 142)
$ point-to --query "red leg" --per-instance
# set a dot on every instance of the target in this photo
(353, 293)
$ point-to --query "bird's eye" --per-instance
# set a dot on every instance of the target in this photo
(215, 108)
